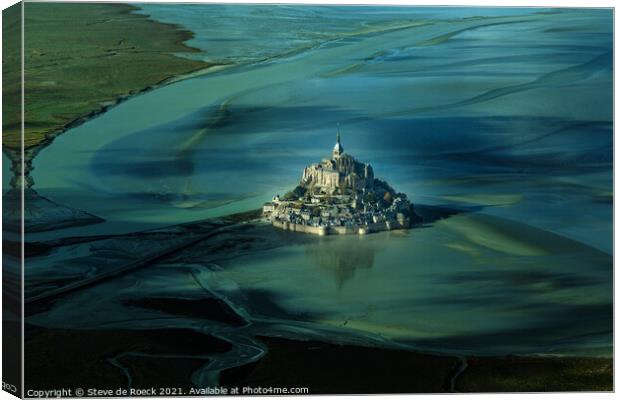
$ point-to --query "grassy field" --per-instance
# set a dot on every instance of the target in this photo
(80, 58)
(536, 374)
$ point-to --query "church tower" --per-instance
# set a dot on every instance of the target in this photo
(338, 149)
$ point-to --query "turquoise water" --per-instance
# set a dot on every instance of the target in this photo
(460, 287)
(505, 111)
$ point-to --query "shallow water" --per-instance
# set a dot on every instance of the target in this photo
(509, 113)
(470, 284)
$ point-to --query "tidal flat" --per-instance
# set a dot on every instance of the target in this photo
(456, 325)
(497, 124)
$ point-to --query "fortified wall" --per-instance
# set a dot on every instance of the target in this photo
(342, 230)
(339, 196)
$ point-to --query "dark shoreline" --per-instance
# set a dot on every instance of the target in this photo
(354, 370)
(56, 357)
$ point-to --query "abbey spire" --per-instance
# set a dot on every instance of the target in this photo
(338, 149)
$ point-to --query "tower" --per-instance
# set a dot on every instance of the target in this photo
(338, 149)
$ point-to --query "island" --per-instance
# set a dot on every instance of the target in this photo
(340, 195)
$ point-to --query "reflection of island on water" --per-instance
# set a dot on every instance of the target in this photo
(341, 256)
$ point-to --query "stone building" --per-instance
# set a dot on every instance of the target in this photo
(340, 196)
(342, 174)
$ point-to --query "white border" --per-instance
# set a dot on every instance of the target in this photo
(445, 3)
(481, 3)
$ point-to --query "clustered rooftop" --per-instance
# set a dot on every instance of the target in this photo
(340, 195)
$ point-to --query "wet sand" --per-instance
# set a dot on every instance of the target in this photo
(174, 356)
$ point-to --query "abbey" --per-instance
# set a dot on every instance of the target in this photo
(340, 195)
(340, 174)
